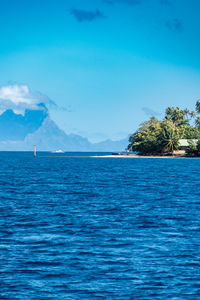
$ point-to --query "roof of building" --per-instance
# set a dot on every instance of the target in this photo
(184, 142)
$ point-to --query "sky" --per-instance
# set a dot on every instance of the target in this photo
(104, 65)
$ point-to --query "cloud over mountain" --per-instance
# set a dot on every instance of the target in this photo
(25, 121)
(82, 15)
(19, 98)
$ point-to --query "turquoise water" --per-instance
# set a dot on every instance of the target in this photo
(99, 228)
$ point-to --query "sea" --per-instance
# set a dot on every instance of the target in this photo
(84, 226)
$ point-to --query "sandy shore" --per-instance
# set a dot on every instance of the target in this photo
(137, 156)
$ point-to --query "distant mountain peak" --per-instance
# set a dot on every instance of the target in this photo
(17, 126)
(21, 132)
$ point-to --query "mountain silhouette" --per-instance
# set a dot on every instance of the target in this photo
(16, 126)
(20, 132)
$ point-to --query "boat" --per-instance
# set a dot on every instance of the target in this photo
(58, 151)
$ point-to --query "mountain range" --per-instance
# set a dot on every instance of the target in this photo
(20, 132)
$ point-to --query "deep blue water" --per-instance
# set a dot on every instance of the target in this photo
(99, 228)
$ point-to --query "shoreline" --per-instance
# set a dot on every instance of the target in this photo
(139, 156)
(143, 156)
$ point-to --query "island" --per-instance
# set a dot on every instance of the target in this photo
(176, 135)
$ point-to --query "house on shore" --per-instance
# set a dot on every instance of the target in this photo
(184, 143)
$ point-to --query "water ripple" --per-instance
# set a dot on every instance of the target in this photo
(91, 228)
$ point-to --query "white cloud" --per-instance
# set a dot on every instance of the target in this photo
(19, 98)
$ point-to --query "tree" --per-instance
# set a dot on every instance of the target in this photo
(186, 112)
(155, 137)
(197, 122)
(168, 138)
(194, 148)
(162, 137)
(192, 114)
(191, 149)
(176, 115)
(169, 112)
(190, 132)
(144, 140)
(198, 106)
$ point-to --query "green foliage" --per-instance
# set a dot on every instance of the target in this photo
(155, 137)
(198, 147)
(162, 136)
(145, 139)
(197, 106)
(168, 139)
(193, 149)
(192, 114)
(176, 115)
(190, 132)
(197, 122)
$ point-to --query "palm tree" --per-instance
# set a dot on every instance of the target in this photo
(186, 112)
(169, 138)
(197, 122)
(169, 112)
(178, 115)
(192, 114)
(198, 106)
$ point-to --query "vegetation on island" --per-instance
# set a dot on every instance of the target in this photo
(162, 137)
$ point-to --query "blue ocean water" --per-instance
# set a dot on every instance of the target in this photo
(99, 228)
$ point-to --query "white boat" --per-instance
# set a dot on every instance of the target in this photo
(58, 151)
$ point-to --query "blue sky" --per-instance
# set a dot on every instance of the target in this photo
(107, 64)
